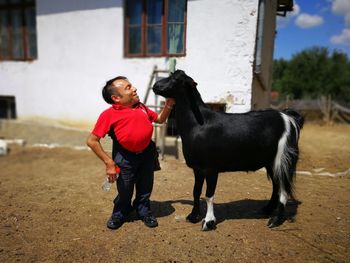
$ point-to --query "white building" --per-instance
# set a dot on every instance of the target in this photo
(55, 56)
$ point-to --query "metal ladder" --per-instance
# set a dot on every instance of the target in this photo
(158, 128)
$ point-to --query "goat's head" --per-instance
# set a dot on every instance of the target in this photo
(174, 85)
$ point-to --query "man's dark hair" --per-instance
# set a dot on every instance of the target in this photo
(108, 89)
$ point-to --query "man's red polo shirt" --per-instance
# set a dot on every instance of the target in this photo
(132, 126)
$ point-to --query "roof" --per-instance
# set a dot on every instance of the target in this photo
(284, 6)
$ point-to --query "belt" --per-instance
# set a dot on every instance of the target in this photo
(118, 147)
(130, 152)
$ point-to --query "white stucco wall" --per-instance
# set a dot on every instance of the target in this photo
(221, 50)
(80, 46)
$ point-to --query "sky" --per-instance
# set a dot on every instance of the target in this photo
(324, 23)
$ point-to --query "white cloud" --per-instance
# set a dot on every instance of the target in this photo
(342, 8)
(308, 21)
(296, 10)
(347, 20)
(343, 38)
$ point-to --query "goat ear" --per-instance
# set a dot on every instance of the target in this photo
(194, 107)
(189, 81)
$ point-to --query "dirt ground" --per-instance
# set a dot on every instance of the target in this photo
(52, 207)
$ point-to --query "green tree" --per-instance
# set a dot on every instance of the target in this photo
(313, 73)
(279, 67)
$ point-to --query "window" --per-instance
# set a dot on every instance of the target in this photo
(155, 28)
(7, 107)
(17, 30)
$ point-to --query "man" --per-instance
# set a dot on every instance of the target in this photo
(131, 125)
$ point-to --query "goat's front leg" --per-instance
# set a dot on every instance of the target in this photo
(209, 222)
(195, 215)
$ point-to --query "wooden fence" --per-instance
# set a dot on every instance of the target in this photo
(324, 109)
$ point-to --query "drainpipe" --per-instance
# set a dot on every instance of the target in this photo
(259, 44)
(172, 64)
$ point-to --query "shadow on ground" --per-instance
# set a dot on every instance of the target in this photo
(242, 209)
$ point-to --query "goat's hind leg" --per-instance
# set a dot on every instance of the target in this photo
(209, 222)
(274, 200)
(195, 215)
(285, 182)
(279, 216)
(278, 204)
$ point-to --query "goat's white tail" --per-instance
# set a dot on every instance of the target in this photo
(287, 154)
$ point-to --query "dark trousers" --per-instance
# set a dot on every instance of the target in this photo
(136, 170)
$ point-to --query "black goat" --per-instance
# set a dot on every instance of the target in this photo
(216, 142)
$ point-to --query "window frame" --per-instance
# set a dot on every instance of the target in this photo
(144, 27)
(22, 7)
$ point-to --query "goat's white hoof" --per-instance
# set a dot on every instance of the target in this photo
(208, 225)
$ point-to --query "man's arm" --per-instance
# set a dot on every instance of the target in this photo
(93, 142)
(164, 114)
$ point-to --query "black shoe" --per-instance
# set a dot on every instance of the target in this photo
(114, 222)
(149, 220)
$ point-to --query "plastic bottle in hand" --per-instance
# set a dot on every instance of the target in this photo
(106, 186)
